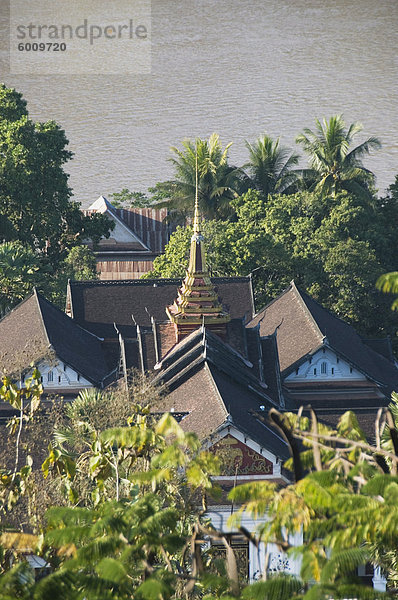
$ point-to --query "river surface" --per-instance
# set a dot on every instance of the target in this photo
(236, 67)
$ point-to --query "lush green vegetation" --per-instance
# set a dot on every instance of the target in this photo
(345, 506)
(128, 492)
(38, 219)
(270, 167)
(335, 248)
(323, 226)
(119, 510)
(334, 164)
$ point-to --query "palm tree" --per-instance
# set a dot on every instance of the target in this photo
(270, 166)
(388, 283)
(333, 165)
(218, 182)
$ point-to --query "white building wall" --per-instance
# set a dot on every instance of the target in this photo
(269, 556)
(266, 555)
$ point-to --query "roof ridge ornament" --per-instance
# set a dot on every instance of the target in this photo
(196, 221)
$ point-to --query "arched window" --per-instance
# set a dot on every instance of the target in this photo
(50, 376)
(324, 368)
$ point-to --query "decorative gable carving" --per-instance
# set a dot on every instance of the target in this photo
(58, 375)
(238, 459)
(325, 365)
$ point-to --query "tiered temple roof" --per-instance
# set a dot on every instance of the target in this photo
(197, 302)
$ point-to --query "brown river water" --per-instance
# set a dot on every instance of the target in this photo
(236, 67)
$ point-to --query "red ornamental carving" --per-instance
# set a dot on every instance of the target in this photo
(238, 459)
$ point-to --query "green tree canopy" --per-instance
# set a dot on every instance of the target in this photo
(335, 254)
(334, 164)
(35, 204)
(232, 248)
(138, 528)
(218, 182)
(80, 264)
(129, 522)
(270, 167)
(388, 282)
(345, 507)
(19, 272)
(334, 248)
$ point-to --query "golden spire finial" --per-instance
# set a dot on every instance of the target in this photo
(196, 223)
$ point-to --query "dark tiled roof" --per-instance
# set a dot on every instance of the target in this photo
(236, 335)
(23, 338)
(148, 349)
(198, 396)
(344, 339)
(349, 400)
(382, 346)
(96, 305)
(366, 419)
(254, 352)
(241, 403)
(36, 328)
(166, 337)
(263, 353)
(132, 354)
(271, 368)
(303, 325)
(203, 373)
(297, 333)
(214, 400)
(204, 346)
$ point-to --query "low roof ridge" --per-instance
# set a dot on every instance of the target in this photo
(143, 282)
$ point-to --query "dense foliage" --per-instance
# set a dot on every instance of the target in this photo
(324, 226)
(345, 508)
(270, 168)
(129, 499)
(206, 162)
(334, 165)
(335, 248)
(36, 209)
(19, 267)
(128, 491)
